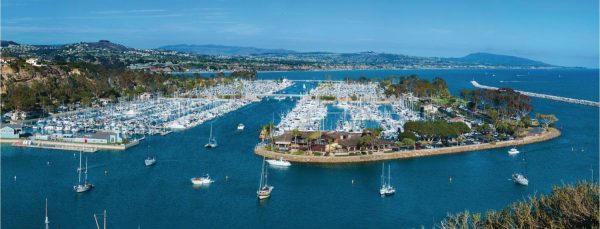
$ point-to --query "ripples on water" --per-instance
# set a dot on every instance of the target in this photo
(305, 195)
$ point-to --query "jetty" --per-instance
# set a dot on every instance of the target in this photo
(543, 96)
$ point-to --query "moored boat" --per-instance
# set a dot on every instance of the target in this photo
(386, 188)
(520, 179)
(279, 162)
(513, 151)
(264, 189)
(85, 186)
(201, 180)
(212, 141)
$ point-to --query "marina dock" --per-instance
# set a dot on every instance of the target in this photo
(543, 96)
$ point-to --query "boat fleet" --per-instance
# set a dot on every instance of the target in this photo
(307, 115)
(242, 87)
(159, 115)
(360, 104)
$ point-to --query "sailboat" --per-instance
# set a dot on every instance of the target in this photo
(212, 141)
(150, 161)
(85, 186)
(264, 189)
(519, 178)
(386, 188)
(46, 221)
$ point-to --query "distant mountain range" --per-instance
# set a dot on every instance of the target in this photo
(222, 50)
(495, 59)
(364, 57)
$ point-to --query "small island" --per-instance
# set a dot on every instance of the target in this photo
(424, 119)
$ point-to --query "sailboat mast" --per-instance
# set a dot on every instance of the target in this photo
(262, 172)
(79, 169)
(389, 176)
(46, 221)
(86, 166)
(266, 176)
(382, 174)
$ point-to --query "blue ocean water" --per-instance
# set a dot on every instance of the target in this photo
(305, 195)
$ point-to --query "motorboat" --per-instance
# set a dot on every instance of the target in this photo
(201, 180)
(279, 162)
(513, 151)
(241, 127)
(520, 179)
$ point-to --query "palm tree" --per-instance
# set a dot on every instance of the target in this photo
(295, 133)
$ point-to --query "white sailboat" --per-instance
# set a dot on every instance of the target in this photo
(212, 141)
(386, 188)
(46, 221)
(264, 189)
(150, 161)
(85, 186)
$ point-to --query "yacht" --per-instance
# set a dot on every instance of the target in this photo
(201, 180)
(241, 127)
(386, 188)
(85, 186)
(280, 162)
(513, 151)
(520, 179)
(212, 141)
(264, 189)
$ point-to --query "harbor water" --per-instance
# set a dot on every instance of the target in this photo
(305, 195)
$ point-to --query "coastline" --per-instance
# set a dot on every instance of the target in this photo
(548, 135)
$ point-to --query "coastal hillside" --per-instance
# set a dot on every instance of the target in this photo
(495, 59)
(222, 50)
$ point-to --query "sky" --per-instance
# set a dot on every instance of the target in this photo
(557, 32)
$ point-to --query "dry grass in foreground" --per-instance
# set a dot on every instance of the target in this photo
(565, 207)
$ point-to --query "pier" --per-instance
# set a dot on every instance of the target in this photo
(543, 96)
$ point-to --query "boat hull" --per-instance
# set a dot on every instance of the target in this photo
(82, 188)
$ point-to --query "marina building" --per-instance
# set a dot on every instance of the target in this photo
(10, 131)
